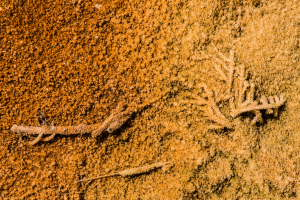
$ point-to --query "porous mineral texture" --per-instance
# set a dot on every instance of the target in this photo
(77, 60)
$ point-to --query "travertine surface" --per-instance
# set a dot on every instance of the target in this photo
(76, 60)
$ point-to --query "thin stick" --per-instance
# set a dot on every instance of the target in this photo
(260, 107)
(98, 177)
(129, 172)
(50, 130)
(116, 119)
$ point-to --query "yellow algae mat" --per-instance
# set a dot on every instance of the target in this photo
(150, 99)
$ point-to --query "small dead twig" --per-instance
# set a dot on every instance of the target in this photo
(239, 92)
(129, 172)
(116, 119)
(40, 136)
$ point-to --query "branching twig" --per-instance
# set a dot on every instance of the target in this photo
(116, 119)
(239, 92)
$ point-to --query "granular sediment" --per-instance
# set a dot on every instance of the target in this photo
(75, 61)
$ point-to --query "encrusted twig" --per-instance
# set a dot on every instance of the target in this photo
(239, 92)
(227, 73)
(116, 119)
(129, 172)
(242, 98)
(212, 110)
(40, 136)
(209, 106)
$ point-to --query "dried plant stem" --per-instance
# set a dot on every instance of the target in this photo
(116, 119)
(265, 106)
(212, 110)
(130, 172)
(239, 92)
(50, 130)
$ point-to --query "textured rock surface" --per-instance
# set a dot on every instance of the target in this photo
(76, 60)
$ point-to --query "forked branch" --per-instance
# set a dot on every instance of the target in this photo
(116, 119)
(239, 92)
